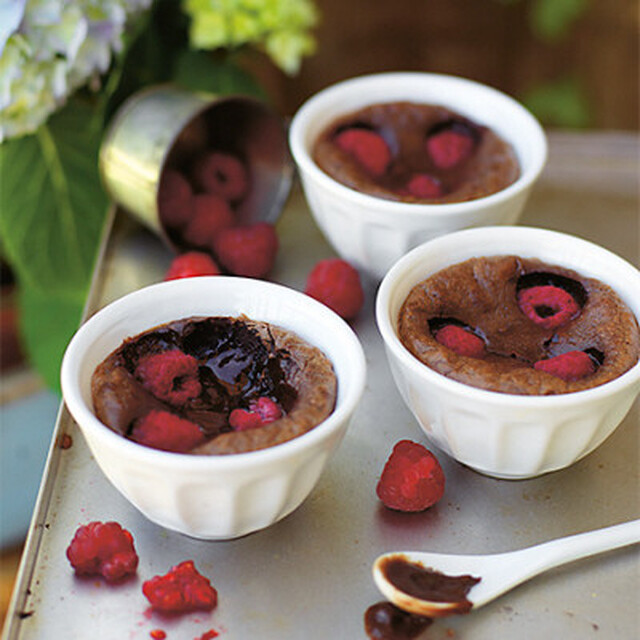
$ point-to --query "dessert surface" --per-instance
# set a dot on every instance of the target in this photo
(506, 336)
(217, 374)
(415, 153)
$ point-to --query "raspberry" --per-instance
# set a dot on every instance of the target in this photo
(463, 341)
(367, 147)
(261, 411)
(335, 283)
(222, 174)
(449, 147)
(247, 250)
(211, 214)
(171, 376)
(104, 549)
(180, 590)
(192, 263)
(422, 185)
(166, 431)
(547, 305)
(412, 478)
(569, 366)
(175, 199)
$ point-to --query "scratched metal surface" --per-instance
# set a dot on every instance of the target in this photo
(309, 576)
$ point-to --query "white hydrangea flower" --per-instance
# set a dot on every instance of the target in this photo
(49, 48)
(280, 27)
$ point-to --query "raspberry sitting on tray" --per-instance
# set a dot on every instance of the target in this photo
(248, 250)
(104, 549)
(412, 478)
(190, 264)
(180, 590)
(335, 283)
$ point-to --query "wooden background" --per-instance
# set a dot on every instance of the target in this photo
(486, 40)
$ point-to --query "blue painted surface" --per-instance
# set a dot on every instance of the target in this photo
(26, 428)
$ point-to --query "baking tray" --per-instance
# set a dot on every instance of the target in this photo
(309, 576)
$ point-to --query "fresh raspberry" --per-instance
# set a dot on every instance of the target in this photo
(190, 264)
(175, 199)
(247, 250)
(335, 283)
(422, 185)
(412, 478)
(261, 411)
(180, 590)
(547, 305)
(222, 174)
(211, 214)
(104, 549)
(171, 376)
(367, 147)
(166, 431)
(463, 341)
(449, 147)
(569, 366)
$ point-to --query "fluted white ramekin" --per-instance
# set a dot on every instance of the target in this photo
(371, 232)
(499, 434)
(224, 496)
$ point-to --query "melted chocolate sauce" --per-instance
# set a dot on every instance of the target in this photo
(426, 584)
(235, 365)
(385, 621)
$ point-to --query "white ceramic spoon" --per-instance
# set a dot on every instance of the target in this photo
(502, 571)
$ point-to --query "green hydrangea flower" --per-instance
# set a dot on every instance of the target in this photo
(281, 28)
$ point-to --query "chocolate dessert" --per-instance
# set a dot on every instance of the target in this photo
(520, 326)
(216, 385)
(415, 153)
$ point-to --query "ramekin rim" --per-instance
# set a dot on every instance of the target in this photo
(387, 329)
(345, 405)
(306, 165)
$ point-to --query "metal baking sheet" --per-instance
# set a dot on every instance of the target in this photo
(309, 576)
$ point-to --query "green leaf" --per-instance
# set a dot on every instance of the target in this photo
(551, 19)
(561, 103)
(53, 211)
(48, 321)
(204, 71)
(53, 205)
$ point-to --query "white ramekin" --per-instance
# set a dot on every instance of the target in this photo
(499, 434)
(213, 497)
(371, 232)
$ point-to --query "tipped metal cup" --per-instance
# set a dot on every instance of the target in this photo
(166, 127)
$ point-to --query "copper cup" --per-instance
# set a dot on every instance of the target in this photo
(167, 127)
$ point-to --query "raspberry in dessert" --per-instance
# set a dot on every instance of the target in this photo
(416, 153)
(520, 326)
(214, 385)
